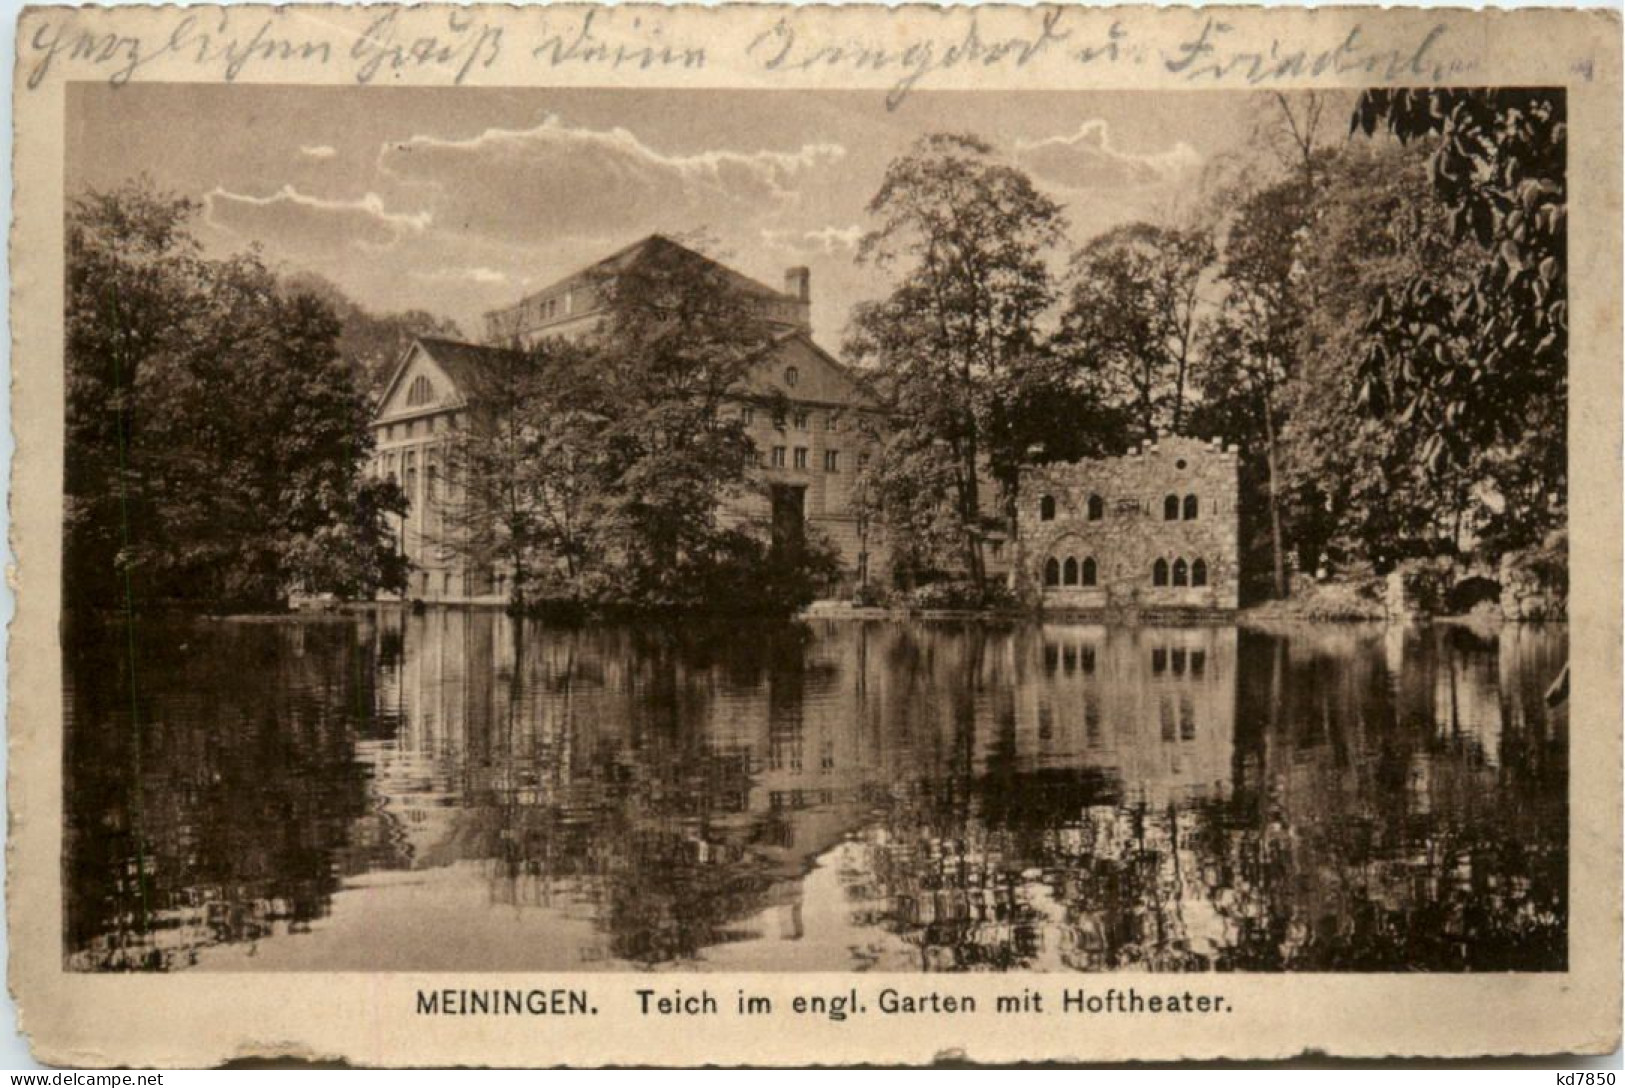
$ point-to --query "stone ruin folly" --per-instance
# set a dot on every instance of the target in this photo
(1156, 529)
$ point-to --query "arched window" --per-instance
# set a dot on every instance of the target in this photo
(1159, 573)
(1190, 507)
(419, 392)
(1089, 572)
(1170, 508)
(412, 486)
(1046, 508)
(1097, 508)
(1052, 572)
(430, 477)
(1069, 572)
(1199, 573)
(1181, 576)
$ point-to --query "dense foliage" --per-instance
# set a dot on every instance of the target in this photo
(1380, 326)
(599, 472)
(956, 345)
(1136, 315)
(370, 343)
(215, 440)
(1477, 364)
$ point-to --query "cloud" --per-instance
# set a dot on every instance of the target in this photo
(297, 222)
(560, 178)
(1086, 159)
(478, 274)
(319, 151)
(829, 240)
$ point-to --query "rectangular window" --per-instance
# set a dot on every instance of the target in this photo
(832, 460)
(778, 456)
(863, 461)
(801, 456)
(747, 415)
(801, 421)
(832, 422)
(778, 420)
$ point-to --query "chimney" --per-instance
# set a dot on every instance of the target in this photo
(798, 283)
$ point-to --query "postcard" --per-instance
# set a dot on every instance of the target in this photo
(771, 535)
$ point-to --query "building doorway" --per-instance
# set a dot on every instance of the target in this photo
(789, 517)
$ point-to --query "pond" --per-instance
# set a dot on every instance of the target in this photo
(456, 791)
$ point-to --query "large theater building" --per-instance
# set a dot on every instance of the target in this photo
(808, 414)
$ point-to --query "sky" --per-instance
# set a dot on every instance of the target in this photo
(462, 200)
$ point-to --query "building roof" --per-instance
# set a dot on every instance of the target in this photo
(757, 382)
(629, 255)
(461, 361)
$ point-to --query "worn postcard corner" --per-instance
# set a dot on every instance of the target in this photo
(580, 536)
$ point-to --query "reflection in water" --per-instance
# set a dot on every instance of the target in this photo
(452, 790)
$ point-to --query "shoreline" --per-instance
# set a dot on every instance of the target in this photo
(1264, 616)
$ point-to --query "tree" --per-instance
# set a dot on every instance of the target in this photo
(371, 343)
(679, 337)
(1137, 316)
(1498, 166)
(901, 488)
(646, 450)
(1293, 127)
(598, 470)
(957, 339)
(216, 441)
(1379, 228)
(131, 267)
(1256, 337)
(491, 509)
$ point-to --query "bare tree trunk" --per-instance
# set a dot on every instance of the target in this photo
(518, 598)
(1275, 499)
(972, 516)
(1179, 396)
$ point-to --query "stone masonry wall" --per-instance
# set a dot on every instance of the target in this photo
(1131, 533)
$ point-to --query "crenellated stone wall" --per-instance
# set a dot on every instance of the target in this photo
(1131, 531)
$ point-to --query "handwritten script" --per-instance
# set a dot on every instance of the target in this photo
(457, 46)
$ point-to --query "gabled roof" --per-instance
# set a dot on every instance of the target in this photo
(860, 385)
(630, 255)
(461, 361)
(860, 379)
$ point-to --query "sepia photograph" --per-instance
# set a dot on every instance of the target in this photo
(572, 536)
(539, 530)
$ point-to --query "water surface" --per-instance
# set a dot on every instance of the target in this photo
(453, 791)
